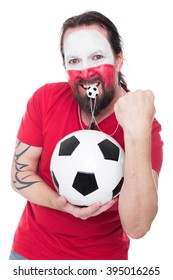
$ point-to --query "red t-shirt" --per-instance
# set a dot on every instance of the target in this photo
(44, 233)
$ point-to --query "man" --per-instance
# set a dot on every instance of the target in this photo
(50, 226)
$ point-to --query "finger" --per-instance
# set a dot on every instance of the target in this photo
(86, 212)
(105, 207)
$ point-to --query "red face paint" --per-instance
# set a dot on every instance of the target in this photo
(105, 72)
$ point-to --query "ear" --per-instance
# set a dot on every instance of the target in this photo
(119, 61)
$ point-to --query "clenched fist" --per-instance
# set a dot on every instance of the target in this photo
(135, 111)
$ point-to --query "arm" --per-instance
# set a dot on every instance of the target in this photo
(26, 182)
(138, 198)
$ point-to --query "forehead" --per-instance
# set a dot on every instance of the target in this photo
(95, 27)
(88, 36)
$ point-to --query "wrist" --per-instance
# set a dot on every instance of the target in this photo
(53, 200)
(138, 151)
(140, 132)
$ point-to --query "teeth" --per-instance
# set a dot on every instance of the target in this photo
(84, 87)
(90, 85)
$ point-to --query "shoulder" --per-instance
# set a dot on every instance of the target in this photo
(51, 93)
(51, 89)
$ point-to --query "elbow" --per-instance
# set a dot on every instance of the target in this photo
(13, 180)
(137, 233)
(13, 187)
(139, 229)
(13, 183)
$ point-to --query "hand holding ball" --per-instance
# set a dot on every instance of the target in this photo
(87, 166)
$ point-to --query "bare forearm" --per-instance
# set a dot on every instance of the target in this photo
(24, 179)
(138, 198)
(27, 183)
(34, 189)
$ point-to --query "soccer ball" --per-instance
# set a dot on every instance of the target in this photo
(87, 166)
(92, 92)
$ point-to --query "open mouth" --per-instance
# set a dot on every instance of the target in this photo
(89, 85)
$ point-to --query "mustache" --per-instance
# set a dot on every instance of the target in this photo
(94, 80)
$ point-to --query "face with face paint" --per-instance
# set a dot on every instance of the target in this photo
(89, 60)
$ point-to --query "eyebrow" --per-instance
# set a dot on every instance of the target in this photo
(72, 57)
(92, 54)
(97, 52)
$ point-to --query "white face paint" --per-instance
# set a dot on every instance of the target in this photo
(86, 48)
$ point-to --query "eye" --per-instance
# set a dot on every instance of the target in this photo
(73, 61)
(97, 57)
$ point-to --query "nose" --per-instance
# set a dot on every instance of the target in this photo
(87, 73)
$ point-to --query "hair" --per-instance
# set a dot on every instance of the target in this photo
(92, 17)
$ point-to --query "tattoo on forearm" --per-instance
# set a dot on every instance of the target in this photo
(21, 182)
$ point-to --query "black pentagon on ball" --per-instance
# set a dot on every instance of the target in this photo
(118, 187)
(85, 183)
(55, 181)
(68, 146)
(109, 150)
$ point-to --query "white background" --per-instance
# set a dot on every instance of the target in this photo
(30, 57)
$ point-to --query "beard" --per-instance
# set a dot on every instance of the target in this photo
(101, 101)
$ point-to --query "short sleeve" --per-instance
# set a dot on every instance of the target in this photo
(157, 147)
(30, 130)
